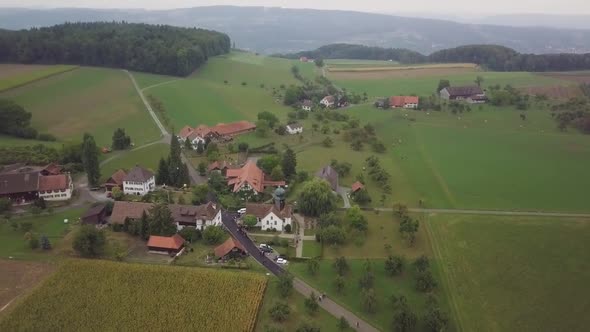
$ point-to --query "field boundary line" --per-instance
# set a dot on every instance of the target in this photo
(448, 278)
(40, 78)
(158, 84)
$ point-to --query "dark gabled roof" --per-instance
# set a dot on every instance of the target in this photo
(94, 211)
(117, 178)
(13, 183)
(464, 91)
(307, 102)
(329, 174)
(262, 210)
(138, 174)
(227, 246)
(180, 213)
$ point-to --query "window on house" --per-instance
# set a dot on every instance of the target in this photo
(275, 222)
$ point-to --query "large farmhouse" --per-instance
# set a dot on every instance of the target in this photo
(403, 102)
(22, 184)
(221, 131)
(272, 216)
(249, 178)
(139, 181)
(328, 101)
(472, 94)
(200, 216)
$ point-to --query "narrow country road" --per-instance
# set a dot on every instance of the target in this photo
(343, 192)
(299, 285)
(495, 212)
(194, 176)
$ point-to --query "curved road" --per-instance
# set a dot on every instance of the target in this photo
(299, 285)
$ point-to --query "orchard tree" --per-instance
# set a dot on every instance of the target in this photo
(425, 281)
(202, 168)
(421, 264)
(408, 228)
(311, 303)
(268, 163)
(394, 265)
(316, 198)
(356, 219)
(285, 285)
(313, 266)
(200, 192)
(280, 312)
(89, 241)
(270, 118)
(250, 220)
(339, 284)
(120, 140)
(404, 320)
(332, 235)
(369, 300)
(341, 266)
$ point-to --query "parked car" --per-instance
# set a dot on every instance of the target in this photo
(242, 211)
(265, 247)
(282, 261)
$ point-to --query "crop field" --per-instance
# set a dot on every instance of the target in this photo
(485, 159)
(15, 75)
(102, 295)
(12, 243)
(92, 100)
(147, 157)
(427, 85)
(204, 98)
(18, 277)
(515, 273)
(398, 72)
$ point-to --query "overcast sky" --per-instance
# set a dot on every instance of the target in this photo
(388, 6)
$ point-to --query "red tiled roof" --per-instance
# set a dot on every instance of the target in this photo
(174, 242)
(250, 174)
(356, 186)
(227, 246)
(229, 129)
(401, 101)
(53, 168)
(117, 178)
(185, 132)
(53, 182)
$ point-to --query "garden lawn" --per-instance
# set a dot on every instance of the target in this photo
(92, 100)
(15, 75)
(147, 157)
(426, 86)
(298, 314)
(204, 98)
(312, 248)
(102, 295)
(384, 286)
(12, 243)
(515, 273)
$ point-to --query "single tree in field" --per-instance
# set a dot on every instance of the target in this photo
(90, 160)
(89, 242)
(369, 300)
(45, 244)
(285, 285)
(313, 266)
(289, 163)
(478, 80)
(341, 266)
(311, 303)
(319, 62)
(425, 281)
(250, 220)
(279, 312)
(421, 263)
(202, 168)
(161, 221)
(356, 219)
(404, 320)
(120, 140)
(327, 142)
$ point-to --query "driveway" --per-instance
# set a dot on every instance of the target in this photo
(343, 192)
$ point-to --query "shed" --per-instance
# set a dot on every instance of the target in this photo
(166, 245)
(95, 215)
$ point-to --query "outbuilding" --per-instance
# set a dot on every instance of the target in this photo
(166, 245)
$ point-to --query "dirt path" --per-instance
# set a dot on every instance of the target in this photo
(162, 83)
(147, 105)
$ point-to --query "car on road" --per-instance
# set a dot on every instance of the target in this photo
(242, 211)
(282, 261)
(265, 247)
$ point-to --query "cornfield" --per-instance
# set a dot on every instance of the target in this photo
(90, 295)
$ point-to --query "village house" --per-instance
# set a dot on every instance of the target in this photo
(307, 105)
(199, 217)
(22, 184)
(303, 59)
(328, 101)
(229, 249)
(166, 245)
(219, 166)
(403, 102)
(472, 94)
(95, 215)
(139, 181)
(249, 178)
(221, 131)
(272, 216)
(329, 174)
(294, 128)
(116, 180)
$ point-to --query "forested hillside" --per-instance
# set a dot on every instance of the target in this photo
(157, 49)
(492, 57)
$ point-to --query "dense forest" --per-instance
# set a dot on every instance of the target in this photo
(159, 49)
(492, 57)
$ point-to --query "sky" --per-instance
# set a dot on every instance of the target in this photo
(385, 6)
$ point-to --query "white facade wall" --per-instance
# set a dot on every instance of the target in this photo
(201, 224)
(58, 195)
(294, 131)
(271, 221)
(139, 188)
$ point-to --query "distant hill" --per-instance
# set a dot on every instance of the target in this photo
(493, 57)
(157, 49)
(278, 30)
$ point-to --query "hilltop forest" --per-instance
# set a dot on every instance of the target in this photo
(159, 49)
(494, 57)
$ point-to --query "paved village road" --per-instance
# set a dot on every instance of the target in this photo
(327, 304)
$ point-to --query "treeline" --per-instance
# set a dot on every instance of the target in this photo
(493, 57)
(159, 49)
(16, 121)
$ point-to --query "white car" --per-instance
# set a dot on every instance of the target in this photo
(242, 211)
(282, 261)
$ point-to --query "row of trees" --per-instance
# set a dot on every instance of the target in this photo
(158, 49)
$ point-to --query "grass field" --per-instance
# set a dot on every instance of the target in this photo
(120, 296)
(15, 141)
(147, 157)
(13, 244)
(204, 98)
(426, 83)
(515, 273)
(86, 100)
(15, 75)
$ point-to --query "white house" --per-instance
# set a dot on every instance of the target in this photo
(307, 105)
(139, 181)
(56, 187)
(269, 216)
(294, 128)
(328, 101)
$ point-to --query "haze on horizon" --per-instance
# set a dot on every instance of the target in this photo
(428, 7)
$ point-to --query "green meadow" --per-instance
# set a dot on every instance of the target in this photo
(425, 86)
(92, 100)
(514, 273)
(19, 75)
(147, 157)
